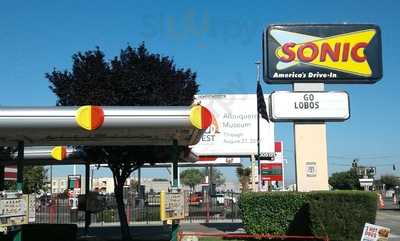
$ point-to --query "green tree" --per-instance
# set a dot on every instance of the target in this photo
(34, 179)
(390, 181)
(191, 177)
(134, 78)
(244, 174)
(347, 180)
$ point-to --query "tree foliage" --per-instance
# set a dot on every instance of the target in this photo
(135, 77)
(34, 179)
(347, 180)
(244, 175)
(390, 181)
(191, 177)
(217, 176)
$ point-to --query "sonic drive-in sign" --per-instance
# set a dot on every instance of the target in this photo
(328, 53)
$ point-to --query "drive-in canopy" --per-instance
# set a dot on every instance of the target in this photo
(102, 126)
(64, 155)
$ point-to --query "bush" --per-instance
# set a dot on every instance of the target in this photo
(340, 215)
(348, 212)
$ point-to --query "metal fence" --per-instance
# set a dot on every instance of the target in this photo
(144, 209)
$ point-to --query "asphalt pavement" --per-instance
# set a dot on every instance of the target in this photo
(390, 219)
(156, 231)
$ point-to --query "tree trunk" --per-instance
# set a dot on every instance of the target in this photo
(118, 190)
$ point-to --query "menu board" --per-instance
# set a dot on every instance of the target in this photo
(172, 206)
(16, 209)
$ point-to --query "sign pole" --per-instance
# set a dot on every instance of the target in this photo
(2, 168)
(139, 182)
(20, 180)
(175, 223)
(254, 172)
(258, 63)
(51, 180)
(87, 188)
(283, 173)
(310, 149)
(20, 166)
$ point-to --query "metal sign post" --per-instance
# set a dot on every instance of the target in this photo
(2, 168)
(20, 179)
(87, 213)
(254, 174)
(175, 174)
(310, 149)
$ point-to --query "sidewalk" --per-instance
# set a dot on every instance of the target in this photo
(153, 232)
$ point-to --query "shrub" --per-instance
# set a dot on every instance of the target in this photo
(339, 214)
(269, 212)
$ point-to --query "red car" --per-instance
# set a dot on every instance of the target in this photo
(196, 198)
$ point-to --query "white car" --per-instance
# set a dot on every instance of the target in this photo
(220, 198)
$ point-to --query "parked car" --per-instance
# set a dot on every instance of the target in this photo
(219, 198)
(196, 198)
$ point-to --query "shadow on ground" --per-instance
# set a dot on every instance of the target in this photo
(153, 232)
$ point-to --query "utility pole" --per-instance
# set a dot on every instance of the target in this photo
(258, 63)
(51, 180)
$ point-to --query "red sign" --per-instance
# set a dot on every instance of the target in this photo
(10, 173)
(271, 171)
(278, 146)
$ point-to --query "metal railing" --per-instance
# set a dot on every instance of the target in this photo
(140, 210)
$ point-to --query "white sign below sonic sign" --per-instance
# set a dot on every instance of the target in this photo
(233, 131)
(308, 106)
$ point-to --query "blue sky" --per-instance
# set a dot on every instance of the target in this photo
(220, 40)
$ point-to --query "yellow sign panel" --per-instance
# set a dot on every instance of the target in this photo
(172, 206)
(344, 52)
(16, 210)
